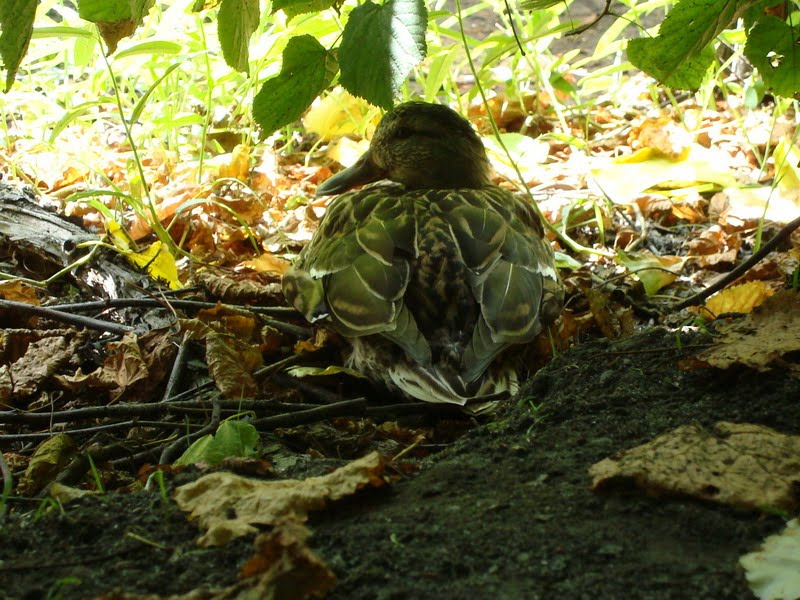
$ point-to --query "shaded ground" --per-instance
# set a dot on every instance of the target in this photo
(504, 513)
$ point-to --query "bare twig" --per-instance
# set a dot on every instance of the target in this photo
(155, 302)
(346, 408)
(582, 28)
(62, 317)
(177, 367)
(171, 452)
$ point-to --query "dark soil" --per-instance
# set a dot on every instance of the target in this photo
(506, 512)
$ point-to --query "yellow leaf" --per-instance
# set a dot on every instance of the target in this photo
(267, 263)
(622, 180)
(741, 298)
(236, 165)
(158, 262)
(340, 113)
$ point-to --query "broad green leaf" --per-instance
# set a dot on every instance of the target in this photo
(16, 27)
(773, 47)
(308, 68)
(292, 8)
(139, 8)
(237, 21)
(104, 11)
(380, 45)
(233, 439)
(681, 54)
(655, 272)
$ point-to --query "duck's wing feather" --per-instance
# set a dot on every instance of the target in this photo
(356, 269)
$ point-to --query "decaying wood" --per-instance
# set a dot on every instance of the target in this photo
(34, 235)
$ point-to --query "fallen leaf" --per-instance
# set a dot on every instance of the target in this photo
(285, 568)
(742, 465)
(48, 459)
(741, 298)
(655, 272)
(213, 499)
(773, 572)
(267, 263)
(765, 338)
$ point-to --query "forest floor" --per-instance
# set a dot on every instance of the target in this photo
(502, 507)
(505, 512)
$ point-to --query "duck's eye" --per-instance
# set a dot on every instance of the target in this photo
(402, 133)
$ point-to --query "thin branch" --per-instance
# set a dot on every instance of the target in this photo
(346, 408)
(582, 28)
(62, 317)
(782, 235)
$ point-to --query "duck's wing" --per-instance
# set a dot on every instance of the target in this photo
(356, 269)
(513, 275)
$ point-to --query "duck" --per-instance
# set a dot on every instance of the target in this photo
(431, 272)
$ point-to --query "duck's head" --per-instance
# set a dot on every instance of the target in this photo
(422, 146)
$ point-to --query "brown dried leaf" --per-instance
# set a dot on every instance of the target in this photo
(614, 321)
(267, 263)
(231, 364)
(763, 339)
(662, 135)
(743, 465)
(41, 360)
(285, 568)
(113, 32)
(50, 457)
(18, 291)
(212, 499)
(127, 365)
(236, 290)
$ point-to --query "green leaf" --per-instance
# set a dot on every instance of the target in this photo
(233, 438)
(308, 68)
(773, 47)
(62, 32)
(237, 21)
(655, 272)
(301, 372)
(16, 27)
(104, 11)
(380, 45)
(292, 8)
(155, 47)
(139, 8)
(681, 53)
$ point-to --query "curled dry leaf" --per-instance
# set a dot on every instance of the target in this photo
(284, 567)
(212, 499)
(41, 360)
(743, 465)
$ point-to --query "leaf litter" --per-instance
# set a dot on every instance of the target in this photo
(664, 217)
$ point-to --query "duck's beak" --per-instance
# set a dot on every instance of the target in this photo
(362, 172)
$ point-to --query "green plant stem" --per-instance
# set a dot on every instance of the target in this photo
(569, 242)
(209, 99)
(155, 222)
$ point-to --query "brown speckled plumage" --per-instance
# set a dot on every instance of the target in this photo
(431, 277)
